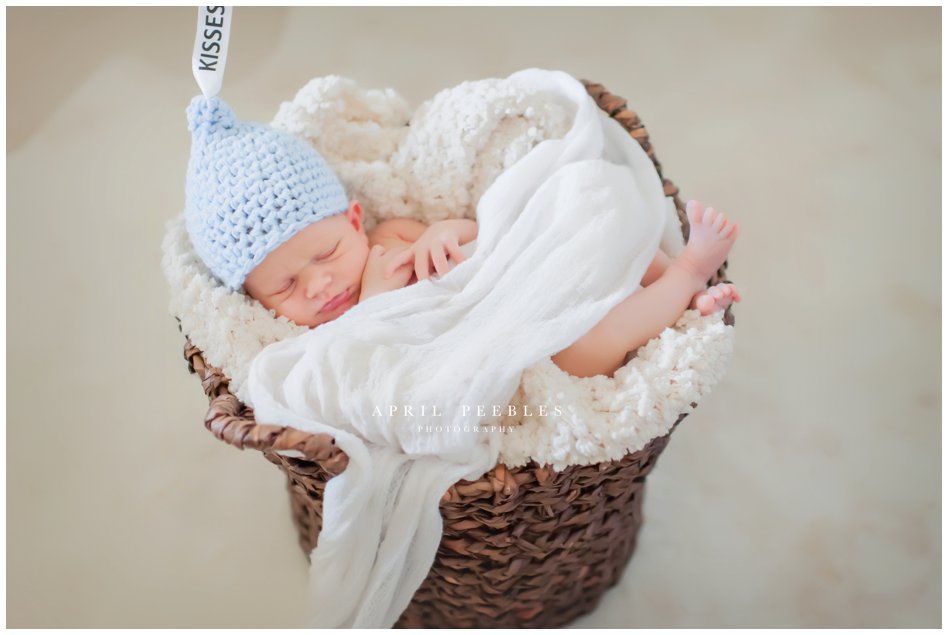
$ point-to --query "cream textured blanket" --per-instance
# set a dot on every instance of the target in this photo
(564, 235)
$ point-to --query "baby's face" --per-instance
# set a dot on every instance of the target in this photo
(316, 275)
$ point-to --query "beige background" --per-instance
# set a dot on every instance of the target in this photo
(804, 492)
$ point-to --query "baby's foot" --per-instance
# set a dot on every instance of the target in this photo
(717, 298)
(709, 242)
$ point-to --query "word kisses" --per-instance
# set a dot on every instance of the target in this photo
(211, 44)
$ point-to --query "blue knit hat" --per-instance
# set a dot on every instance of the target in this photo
(249, 189)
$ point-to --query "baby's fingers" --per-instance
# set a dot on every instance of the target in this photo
(396, 262)
(455, 252)
(439, 259)
(422, 269)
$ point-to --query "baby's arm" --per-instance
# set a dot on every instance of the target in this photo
(374, 280)
(440, 241)
(464, 228)
(396, 232)
(386, 241)
(395, 264)
(399, 232)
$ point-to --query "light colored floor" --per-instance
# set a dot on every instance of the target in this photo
(804, 492)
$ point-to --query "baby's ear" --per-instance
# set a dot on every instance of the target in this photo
(354, 214)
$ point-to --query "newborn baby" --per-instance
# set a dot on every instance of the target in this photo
(267, 215)
(332, 264)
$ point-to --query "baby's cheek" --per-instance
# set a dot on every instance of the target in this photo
(273, 305)
(359, 263)
(288, 308)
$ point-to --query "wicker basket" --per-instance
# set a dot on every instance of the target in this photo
(527, 547)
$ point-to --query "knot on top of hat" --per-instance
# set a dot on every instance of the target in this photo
(249, 188)
(207, 114)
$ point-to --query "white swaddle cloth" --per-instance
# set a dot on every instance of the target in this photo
(564, 235)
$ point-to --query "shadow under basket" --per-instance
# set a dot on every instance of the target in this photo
(526, 547)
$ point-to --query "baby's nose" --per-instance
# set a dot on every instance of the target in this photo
(317, 282)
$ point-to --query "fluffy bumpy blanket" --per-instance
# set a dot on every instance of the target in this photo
(435, 163)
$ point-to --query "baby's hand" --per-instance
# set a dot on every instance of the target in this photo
(374, 280)
(441, 240)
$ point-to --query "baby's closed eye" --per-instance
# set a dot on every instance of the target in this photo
(329, 253)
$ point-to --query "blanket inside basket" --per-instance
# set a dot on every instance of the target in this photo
(564, 235)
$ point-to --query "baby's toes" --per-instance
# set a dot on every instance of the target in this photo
(704, 303)
(695, 211)
(716, 292)
(710, 216)
(729, 292)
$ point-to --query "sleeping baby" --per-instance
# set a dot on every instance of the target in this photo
(269, 217)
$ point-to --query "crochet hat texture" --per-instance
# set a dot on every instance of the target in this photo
(250, 188)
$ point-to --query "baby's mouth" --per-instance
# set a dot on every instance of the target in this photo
(336, 301)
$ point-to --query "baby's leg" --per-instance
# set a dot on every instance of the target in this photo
(706, 301)
(644, 314)
(657, 268)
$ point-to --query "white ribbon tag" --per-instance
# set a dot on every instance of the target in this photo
(210, 48)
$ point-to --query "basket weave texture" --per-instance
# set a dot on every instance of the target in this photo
(526, 547)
